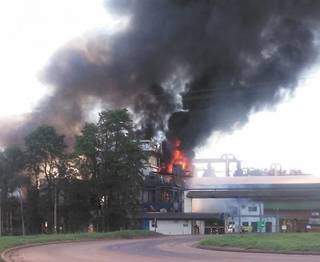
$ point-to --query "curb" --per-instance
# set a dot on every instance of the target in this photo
(4, 257)
(242, 250)
(4, 254)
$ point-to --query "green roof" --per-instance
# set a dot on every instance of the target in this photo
(289, 205)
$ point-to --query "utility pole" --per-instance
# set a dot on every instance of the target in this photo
(21, 213)
(239, 216)
(55, 208)
(277, 222)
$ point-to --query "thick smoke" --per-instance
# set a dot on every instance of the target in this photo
(187, 67)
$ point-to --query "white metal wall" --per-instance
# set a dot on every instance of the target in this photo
(172, 227)
(187, 203)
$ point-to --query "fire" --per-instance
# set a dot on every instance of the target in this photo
(178, 158)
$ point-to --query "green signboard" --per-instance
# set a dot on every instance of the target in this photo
(261, 224)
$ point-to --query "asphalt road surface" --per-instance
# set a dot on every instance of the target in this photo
(167, 249)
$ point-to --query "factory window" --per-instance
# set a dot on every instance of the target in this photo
(175, 196)
(149, 196)
(253, 209)
(165, 196)
(145, 196)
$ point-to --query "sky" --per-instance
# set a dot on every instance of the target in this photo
(31, 31)
(287, 134)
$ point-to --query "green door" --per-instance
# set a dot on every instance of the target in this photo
(268, 227)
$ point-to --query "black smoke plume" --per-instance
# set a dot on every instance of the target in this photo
(187, 67)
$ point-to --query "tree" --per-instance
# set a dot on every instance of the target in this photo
(76, 205)
(121, 164)
(11, 165)
(87, 149)
(111, 156)
(45, 150)
(87, 161)
(100, 182)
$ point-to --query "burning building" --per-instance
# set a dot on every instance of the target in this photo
(179, 203)
(179, 163)
(163, 198)
(164, 184)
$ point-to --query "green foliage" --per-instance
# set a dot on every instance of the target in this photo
(44, 143)
(44, 148)
(86, 146)
(274, 242)
(76, 205)
(110, 152)
(121, 166)
(44, 157)
(12, 162)
(98, 183)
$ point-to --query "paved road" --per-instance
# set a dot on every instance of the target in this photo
(169, 249)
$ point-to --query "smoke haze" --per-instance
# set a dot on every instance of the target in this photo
(185, 67)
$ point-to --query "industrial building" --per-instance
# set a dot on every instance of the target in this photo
(265, 204)
(176, 204)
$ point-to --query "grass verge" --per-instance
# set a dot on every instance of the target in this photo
(289, 242)
(12, 241)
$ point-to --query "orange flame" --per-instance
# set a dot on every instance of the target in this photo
(178, 158)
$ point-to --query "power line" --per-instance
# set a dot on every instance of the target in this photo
(251, 88)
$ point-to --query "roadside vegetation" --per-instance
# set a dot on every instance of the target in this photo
(56, 184)
(12, 241)
(288, 242)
